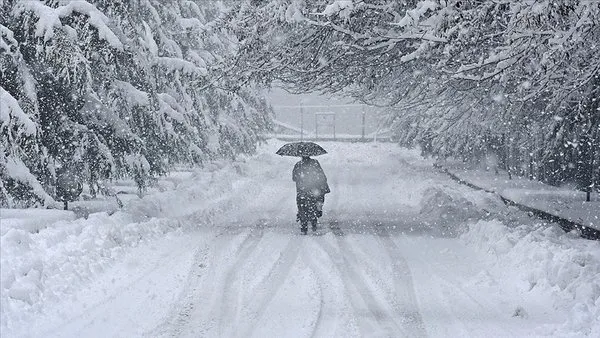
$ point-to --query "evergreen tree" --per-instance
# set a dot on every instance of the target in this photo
(116, 89)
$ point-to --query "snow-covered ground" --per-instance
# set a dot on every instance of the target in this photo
(565, 202)
(401, 251)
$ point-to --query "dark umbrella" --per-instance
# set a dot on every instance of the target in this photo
(300, 149)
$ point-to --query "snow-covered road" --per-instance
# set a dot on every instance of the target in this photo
(387, 261)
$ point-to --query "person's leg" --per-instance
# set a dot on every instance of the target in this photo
(299, 205)
(304, 227)
(319, 205)
(302, 216)
(312, 210)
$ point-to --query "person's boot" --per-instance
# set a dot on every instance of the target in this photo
(304, 228)
(314, 225)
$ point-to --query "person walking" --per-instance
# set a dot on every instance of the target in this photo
(311, 187)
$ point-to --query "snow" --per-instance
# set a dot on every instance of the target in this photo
(197, 59)
(95, 18)
(10, 109)
(343, 8)
(565, 202)
(294, 12)
(31, 220)
(44, 264)
(401, 250)
(49, 19)
(150, 42)
(8, 34)
(190, 23)
(174, 64)
(137, 162)
(540, 265)
(133, 95)
(16, 169)
(412, 16)
(169, 107)
(11, 47)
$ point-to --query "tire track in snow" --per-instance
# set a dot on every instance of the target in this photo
(400, 321)
(199, 276)
(219, 290)
(374, 318)
(318, 323)
(333, 304)
(181, 312)
(208, 284)
(411, 323)
(269, 286)
(407, 307)
(230, 292)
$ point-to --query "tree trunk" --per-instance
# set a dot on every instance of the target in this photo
(507, 150)
(531, 174)
(591, 168)
(585, 168)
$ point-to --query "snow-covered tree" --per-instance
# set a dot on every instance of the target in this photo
(461, 78)
(117, 89)
(22, 158)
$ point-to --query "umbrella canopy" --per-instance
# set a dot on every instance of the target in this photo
(300, 149)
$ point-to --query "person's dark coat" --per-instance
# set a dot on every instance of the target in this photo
(311, 187)
(310, 178)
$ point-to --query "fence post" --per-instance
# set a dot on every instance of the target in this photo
(334, 126)
(363, 126)
(301, 123)
(316, 127)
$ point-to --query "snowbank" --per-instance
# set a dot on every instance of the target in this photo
(31, 220)
(545, 263)
(446, 210)
(48, 254)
